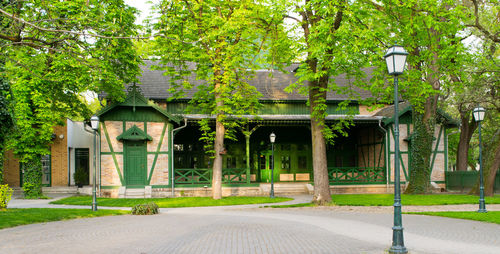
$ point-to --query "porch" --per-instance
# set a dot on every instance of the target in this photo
(358, 159)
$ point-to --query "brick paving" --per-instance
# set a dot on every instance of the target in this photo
(247, 229)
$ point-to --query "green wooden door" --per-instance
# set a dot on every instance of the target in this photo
(265, 160)
(135, 169)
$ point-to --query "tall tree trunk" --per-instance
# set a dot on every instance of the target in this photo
(468, 126)
(421, 148)
(217, 168)
(219, 141)
(317, 97)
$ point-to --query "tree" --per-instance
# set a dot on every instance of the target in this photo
(54, 51)
(334, 37)
(218, 42)
(484, 23)
(430, 32)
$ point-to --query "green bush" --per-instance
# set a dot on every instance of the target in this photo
(5, 196)
(81, 177)
(145, 209)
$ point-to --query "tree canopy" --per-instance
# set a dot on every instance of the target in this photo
(56, 50)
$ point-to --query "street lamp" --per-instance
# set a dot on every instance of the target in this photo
(272, 138)
(478, 113)
(395, 59)
(94, 122)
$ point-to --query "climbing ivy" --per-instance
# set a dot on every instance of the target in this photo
(421, 140)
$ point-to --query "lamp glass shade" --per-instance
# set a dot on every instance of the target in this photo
(94, 122)
(272, 137)
(395, 58)
(478, 113)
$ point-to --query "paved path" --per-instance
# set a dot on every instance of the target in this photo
(247, 229)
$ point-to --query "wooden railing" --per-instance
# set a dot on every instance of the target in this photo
(356, 175)
(204, 175)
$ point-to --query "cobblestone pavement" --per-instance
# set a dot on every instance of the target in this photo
(247, 229)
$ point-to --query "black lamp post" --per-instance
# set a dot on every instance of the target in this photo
(395, 59)
(272, 138)
(94, 122)
(478, 113)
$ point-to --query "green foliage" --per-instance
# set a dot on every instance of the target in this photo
(169, 202)
(5, 196)
(17, 217)
(421, 150)
(32, 178)
(490, 216)
(220, 43)
(145, 209)
(54, 62)
(54, 51)
(335, 39)
(81, 177)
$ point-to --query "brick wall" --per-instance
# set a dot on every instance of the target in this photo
(59, 157)
(11, 170)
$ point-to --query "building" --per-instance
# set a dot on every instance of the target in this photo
(150, 147)
(71, 149)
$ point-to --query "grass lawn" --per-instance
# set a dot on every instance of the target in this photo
(388, 199)
(15, 217)
(169, 202)
(492, 216)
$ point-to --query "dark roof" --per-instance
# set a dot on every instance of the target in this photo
(388, 112)
(404, 107)
(154, 84)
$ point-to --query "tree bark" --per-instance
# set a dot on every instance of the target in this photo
(491, 165)
(217, 168)
(219, 139)
(468, 126)
(317, 95)
(491, 171)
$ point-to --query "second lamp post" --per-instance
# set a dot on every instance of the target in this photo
(479, 117)
(272, 138)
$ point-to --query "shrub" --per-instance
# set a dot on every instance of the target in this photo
(145, 209)
(5, 196)
(81, 177)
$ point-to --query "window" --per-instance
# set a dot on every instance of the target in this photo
(231, 162)
(285, 162)
(302, 162)
(262, 162)
(178, 147)
(46, 170)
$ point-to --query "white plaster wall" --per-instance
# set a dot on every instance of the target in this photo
(79, 138)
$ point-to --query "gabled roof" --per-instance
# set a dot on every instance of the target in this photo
(134, 134)
(271, 84)
(405, 107)
(136, 99)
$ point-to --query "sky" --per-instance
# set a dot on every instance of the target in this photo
(143, 6)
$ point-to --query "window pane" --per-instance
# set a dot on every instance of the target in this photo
(302, 162)
(285, 162)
